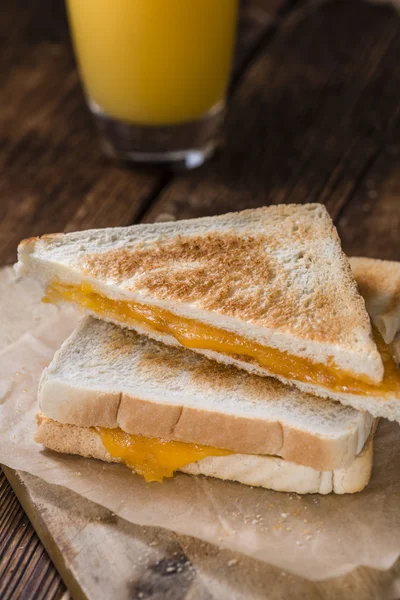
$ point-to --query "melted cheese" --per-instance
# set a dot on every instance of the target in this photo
(194, 334)
(153, 458)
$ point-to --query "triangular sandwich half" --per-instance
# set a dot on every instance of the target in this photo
(267, 290)
(112, 394)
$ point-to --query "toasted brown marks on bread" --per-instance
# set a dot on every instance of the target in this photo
(293, 278)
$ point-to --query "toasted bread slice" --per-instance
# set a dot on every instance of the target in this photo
(111, 377)
(255, 470)
(379, 284)
(268, 290)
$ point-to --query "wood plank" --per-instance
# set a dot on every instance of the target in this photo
(369, 224)
(26, 569)
(257, 18)
(306, 119)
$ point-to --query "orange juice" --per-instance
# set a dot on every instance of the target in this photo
(154, 62)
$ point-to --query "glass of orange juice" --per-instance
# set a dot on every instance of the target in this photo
(155, 74)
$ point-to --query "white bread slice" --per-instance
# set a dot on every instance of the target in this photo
(260, 471)
(387, 406)
(274, 275)
(107, 376)
(379, 284)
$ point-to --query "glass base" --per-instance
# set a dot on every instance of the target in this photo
(182, 146)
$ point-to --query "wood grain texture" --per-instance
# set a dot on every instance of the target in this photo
(26, 571)
(81, 537)
(150, 563)
(370, 222)
(307, 118)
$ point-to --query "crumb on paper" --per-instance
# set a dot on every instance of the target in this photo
(232, 562)
(170, 569)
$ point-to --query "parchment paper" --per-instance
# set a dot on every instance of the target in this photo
(313, 536)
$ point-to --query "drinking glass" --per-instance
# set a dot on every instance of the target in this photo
(155, 74)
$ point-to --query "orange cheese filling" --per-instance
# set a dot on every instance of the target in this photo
(153, 458)
(194, 334)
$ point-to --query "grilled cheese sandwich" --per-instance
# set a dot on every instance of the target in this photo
(196, 335)
(265, 289)
(159, 409)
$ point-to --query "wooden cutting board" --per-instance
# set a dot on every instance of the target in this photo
(100, 556)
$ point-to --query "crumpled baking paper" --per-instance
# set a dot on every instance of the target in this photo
(313, 536)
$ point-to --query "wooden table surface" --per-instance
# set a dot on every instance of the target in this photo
(314, 115)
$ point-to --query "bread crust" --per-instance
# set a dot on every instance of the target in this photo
(188, 424)
(261, 471)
